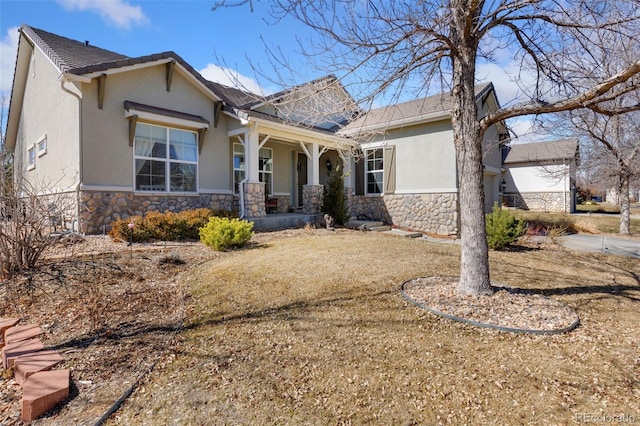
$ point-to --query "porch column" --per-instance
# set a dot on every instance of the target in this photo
(313, 172)
(253, 190)
(313, 192)
(349, 183)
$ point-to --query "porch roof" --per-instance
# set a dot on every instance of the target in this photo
(289, 132)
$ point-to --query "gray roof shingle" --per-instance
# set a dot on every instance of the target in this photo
(541, 151)
(68, 54)
(411, 110)
(80, 58)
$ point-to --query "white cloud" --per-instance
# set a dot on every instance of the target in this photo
(231, 78)
(8, 50)
(117, 12)
(509, 79)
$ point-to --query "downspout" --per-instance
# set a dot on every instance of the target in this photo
(63, 80)
(564, 189)
(243, 181)
(241, 193)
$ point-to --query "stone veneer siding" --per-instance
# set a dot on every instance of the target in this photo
(538, 201)
(283, 203)
(429, 213)
(312, 196)
(254, 196)
(99, 208)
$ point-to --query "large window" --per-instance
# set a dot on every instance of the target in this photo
(374, 170)
(265, 167)
(166, 160)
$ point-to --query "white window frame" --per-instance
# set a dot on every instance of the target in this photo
(367, 171)
(31, 157)
(261, 170)
(42, 145)
(242, 170)
(167, 160)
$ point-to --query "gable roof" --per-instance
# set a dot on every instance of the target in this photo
(69, 54)
(541, 151)
(77, 58)
(430, 108)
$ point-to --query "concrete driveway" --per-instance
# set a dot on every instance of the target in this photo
(602, 244)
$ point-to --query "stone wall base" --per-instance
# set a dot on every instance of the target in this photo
(538, 201)
(312, 196)
(254, 197)
(429, 213)
(98, 209)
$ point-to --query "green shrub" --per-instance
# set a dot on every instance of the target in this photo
(223, 233)
(334, 202)
(168, 226)
(503, 228)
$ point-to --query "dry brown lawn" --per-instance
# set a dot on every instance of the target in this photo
(309, 327)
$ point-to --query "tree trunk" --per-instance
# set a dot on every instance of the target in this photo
(467, 137)
(624, 204)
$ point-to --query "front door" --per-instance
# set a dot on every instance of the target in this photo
(301, 168)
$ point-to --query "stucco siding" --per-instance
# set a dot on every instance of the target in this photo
(52, 113)
(425, 158)
(281, 167)
(531, 178)
(106, 131)
(491, 153)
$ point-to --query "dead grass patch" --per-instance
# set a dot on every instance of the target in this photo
(309, 327)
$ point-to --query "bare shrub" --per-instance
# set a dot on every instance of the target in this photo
(27, 219)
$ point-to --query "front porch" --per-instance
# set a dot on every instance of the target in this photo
(280, 221)
(276, 174)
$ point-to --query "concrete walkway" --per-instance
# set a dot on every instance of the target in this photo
(588, 243)
(602, 244)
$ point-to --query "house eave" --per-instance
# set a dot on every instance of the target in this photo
(18, 87)
(395, 124)
(287, 132)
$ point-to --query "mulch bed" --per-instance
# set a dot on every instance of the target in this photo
(508, 308)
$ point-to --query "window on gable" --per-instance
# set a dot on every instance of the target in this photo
(42, 146)
(374, 170)
(166, 159)
(31, 157)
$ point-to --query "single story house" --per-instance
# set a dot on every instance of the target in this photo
(121, 136)
(541, 176)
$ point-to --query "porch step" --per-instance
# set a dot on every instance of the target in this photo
(405, 234)
(382, 228)
(364, 224)
(280, 221)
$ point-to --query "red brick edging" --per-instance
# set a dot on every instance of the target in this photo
(42, 389)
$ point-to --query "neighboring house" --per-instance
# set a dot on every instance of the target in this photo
(122, 136)
(541, 176)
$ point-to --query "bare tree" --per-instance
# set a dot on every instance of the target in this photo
(615, 150)
(389, 46)
(611, 140)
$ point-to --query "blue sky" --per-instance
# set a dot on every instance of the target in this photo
(208, 40)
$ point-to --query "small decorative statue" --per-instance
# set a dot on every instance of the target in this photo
(329, 221)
